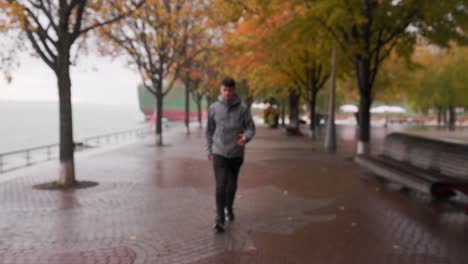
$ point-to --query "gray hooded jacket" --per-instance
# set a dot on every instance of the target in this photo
(226, 122)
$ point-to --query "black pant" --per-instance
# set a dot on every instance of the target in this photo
(226, 173)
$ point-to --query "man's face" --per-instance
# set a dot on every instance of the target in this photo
(227, 92)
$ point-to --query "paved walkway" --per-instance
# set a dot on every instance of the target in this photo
(295, 204)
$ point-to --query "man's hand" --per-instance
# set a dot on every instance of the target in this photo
(210, 157)
(242, 140)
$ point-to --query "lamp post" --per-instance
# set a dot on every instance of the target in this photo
(330, 136)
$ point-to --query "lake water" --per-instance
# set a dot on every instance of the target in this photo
(30, 124)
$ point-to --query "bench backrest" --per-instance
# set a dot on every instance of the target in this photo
(449, 158)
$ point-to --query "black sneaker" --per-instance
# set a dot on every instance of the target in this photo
(219, 227)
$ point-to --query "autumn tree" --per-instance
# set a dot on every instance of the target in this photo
(195, 63)
(247, 56)
(212, 76)
(192, 77)
(155, 39)
(57, 30)
(205, 77)
(442, 83)
(369, 30)
(308, 61)
(392, 81)
(303, 70)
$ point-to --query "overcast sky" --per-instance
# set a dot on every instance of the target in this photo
(95, 80)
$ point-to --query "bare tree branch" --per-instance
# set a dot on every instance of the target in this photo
(49, 62)
(110, 21)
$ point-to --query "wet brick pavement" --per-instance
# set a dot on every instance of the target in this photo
(295, 204)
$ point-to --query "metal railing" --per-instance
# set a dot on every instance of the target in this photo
(17, 159)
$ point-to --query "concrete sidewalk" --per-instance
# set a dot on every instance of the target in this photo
(295, 204)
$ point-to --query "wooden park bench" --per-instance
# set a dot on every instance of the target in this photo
(432, 166)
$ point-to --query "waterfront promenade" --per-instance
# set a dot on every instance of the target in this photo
(295, 204)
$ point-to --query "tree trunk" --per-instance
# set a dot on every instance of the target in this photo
(67, 165)
(330, 136)
(283, 113)
(364, 124)
(294, 109)
(208, 104)
(249, 102)
(365, 101)
(159, 115)
(313, 121)
(445, 117)
(439, 116)
(187, 106)
(199, 110)
(452, 118)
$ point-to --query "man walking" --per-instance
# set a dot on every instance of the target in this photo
(229, 128)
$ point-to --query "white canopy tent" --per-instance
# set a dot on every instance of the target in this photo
(384, 109)
(349, 108)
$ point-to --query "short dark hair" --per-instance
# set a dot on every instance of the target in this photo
(229, 82)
